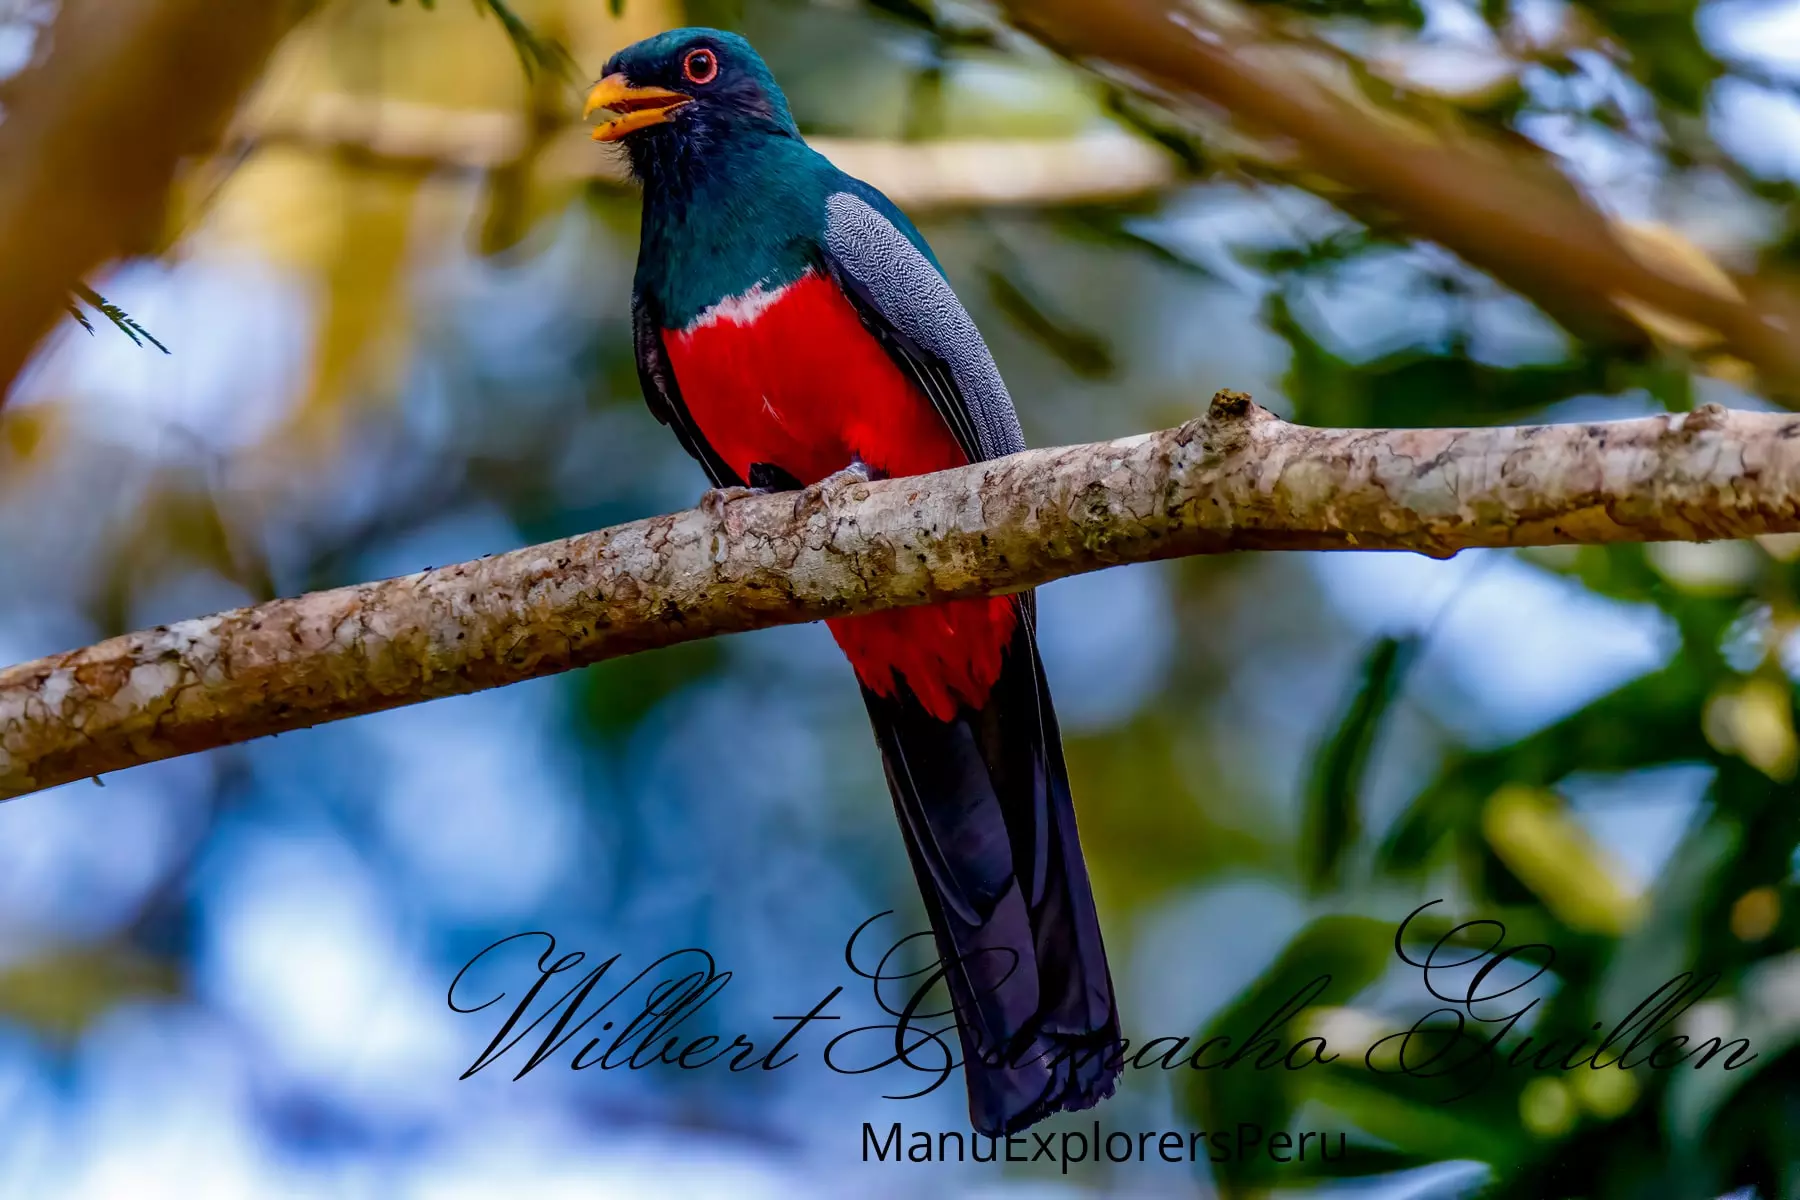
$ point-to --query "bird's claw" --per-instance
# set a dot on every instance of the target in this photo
(714, 500)
(857, 472)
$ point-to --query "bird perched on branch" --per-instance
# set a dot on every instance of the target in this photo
(794, 329)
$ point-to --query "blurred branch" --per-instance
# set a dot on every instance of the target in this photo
(93, 133)
(1496, 201)
(1239, 478)
(536, 54)
(1086, 169)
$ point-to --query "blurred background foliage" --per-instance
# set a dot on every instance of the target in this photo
(395, 305)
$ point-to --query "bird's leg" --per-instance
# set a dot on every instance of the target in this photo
(767, 477)
(765, 480)
(714, 500)
(857, 472)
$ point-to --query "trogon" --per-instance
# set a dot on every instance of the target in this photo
(792, 327)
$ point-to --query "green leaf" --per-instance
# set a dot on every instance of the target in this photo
(536, 53)
(1653, 719)
(1329, 962)
(1663, 48)
(1663, 946)
(1333, 817)
(64, 991)
(1081, 350)
(617, 694)
(80, 317)
(1418, 386)
(1376, 12)
(1112, 227)
(122, 320)
(1765, 1017)
(1403, 1112)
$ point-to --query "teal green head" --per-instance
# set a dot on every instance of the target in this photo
(686, 97)
(733, 197)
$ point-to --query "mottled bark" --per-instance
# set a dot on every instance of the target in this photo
(1237, 479)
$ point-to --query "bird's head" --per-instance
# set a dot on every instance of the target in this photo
(693, 85)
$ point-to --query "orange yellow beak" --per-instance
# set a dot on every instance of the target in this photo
(638, 107)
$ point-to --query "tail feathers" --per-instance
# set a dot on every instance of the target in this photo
(985, 809)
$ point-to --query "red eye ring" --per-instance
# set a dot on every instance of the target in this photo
(700, 66)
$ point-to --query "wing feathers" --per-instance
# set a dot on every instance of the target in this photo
(908, 302)
(927, 370)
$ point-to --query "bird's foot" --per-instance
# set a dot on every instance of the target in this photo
(857, 472)
(714, 500)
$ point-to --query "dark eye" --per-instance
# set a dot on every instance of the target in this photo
(700, 66)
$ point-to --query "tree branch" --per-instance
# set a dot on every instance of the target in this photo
(1498, 203)
(1090, 168)
(1238, 479)
(93, 133)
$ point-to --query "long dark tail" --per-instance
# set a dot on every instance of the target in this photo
(984, 805)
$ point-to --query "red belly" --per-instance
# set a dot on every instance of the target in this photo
(796, 381)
